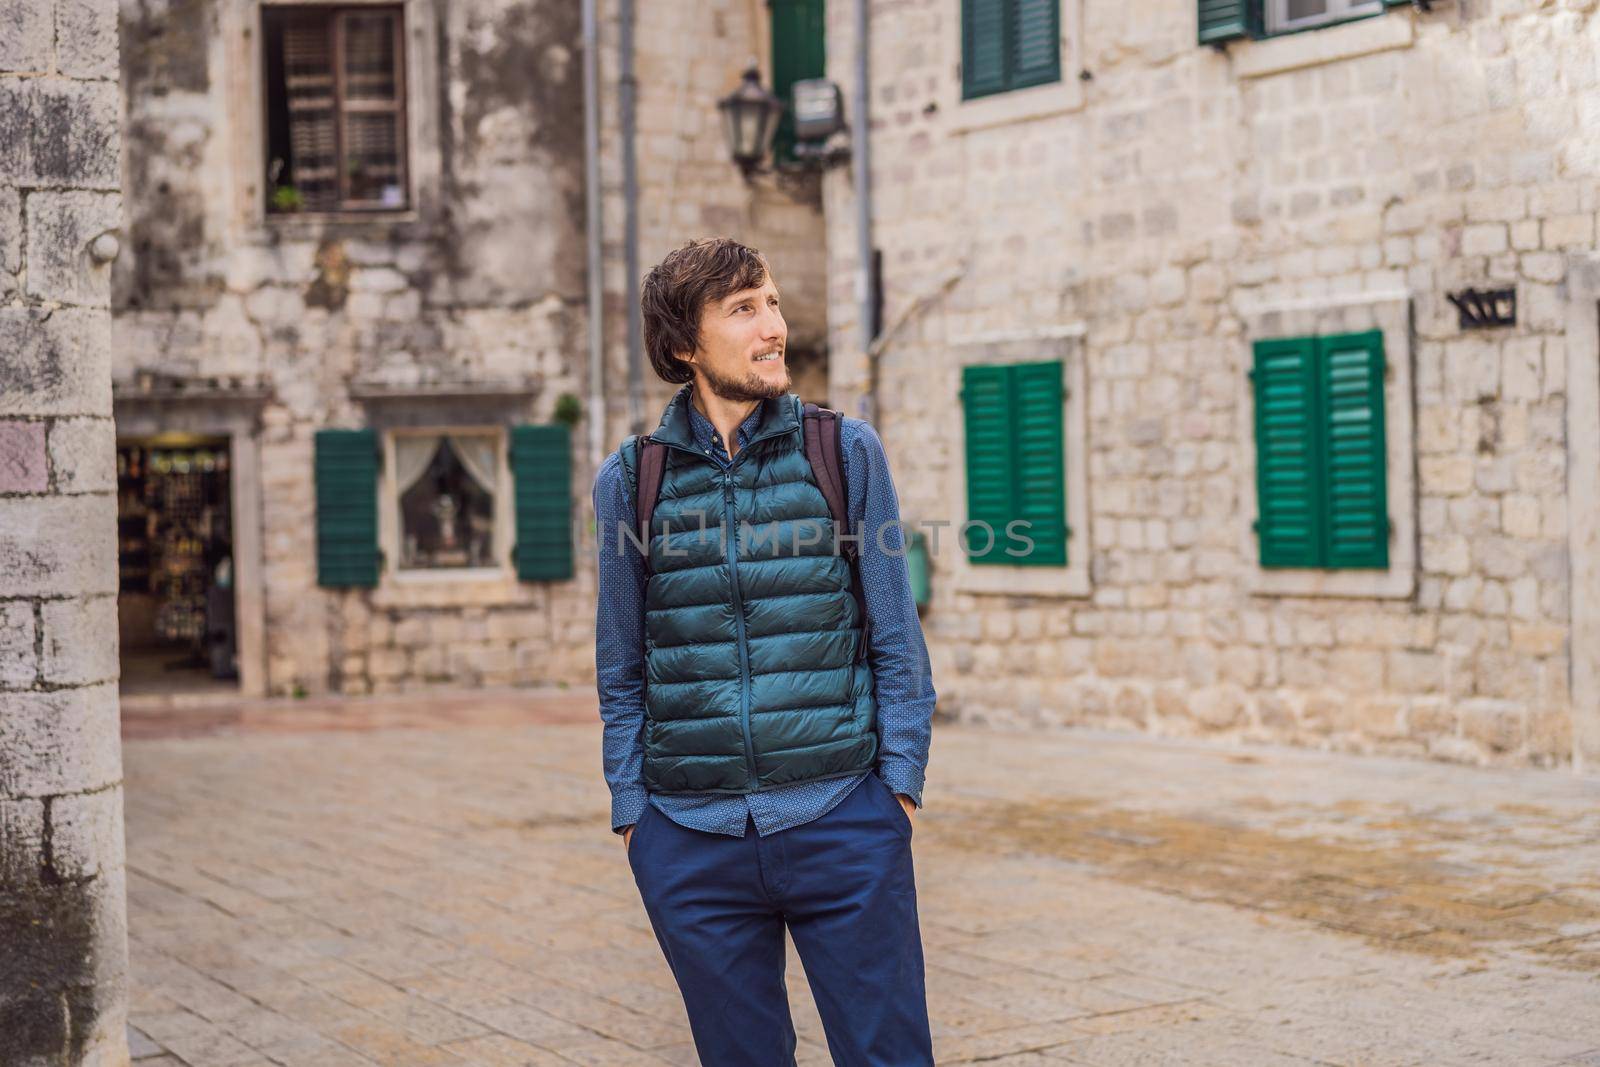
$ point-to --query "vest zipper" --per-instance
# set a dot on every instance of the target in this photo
(730, 534)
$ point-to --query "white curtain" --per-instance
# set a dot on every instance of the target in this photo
(478, 455)
(412, 457)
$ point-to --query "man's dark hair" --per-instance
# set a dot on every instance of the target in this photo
(677, 290)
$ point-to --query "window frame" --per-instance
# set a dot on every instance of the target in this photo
(1275, 20)
(390, 532)
(243, 83)
(1009, 78)
(1064, 343)
(1389, 313)
(959, 115)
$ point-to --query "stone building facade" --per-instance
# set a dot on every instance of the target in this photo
(1145, 215)
(63, 983)
(434, 293)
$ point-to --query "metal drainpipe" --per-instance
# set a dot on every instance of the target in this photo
(861, 159)
(593, 208)
(630, 217)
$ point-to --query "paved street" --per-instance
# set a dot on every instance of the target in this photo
(331, 884)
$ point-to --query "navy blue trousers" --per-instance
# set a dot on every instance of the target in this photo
(842, 884)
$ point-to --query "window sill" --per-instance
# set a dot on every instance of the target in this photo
(311, 226)
(1018, 105)
(1322, 44)
(1392, 584)
(1068, 581)
(454, 588)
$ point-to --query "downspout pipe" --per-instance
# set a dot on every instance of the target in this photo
(630, 216)
(592, 212)
(861, 159)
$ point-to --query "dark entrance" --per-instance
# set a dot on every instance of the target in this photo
(175, 557)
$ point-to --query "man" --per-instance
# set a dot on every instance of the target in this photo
(764, 743)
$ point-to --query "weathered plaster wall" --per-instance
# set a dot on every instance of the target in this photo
(1189, 190)
(481, 284)
(63, 982)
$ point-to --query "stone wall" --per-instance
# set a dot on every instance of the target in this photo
(482, 284)
(1150, 220)
(62, 913)
(466, 309)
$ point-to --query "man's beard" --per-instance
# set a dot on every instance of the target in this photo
(750, 387)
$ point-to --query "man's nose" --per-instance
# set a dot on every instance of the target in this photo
(774, 328)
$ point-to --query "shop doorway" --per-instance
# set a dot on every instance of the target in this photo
(175, 551)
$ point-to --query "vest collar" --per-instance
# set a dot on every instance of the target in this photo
(779, 415)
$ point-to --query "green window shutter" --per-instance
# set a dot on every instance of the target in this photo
(983, 47)
(346, 464)
(986, 408)
(1350, 380)
(1289, 492)
(1015, 460)
(1223, 20)
(541, 467)
(1040, 481)
(799, 51)
(1036, 42)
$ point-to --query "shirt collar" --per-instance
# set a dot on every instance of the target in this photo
(707, 439)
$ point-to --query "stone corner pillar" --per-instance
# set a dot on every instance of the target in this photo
(63, 935)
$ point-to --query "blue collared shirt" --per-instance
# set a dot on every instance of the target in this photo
(902, 677)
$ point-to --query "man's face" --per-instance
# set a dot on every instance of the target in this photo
(741, 345)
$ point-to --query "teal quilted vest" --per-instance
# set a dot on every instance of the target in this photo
(755, 673)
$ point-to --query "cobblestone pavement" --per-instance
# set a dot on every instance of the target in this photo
(332, 885)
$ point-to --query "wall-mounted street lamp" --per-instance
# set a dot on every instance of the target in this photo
(749, 119)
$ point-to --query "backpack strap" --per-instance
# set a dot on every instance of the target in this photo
(652, 467)
(824, 436)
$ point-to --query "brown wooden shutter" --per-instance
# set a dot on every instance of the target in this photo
(372, 108)
(313, 117)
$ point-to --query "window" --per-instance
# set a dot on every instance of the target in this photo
(1322, 496)
(1008, 44)
(443, 502)
(799, 51)
(1223, 20)
(445, 487)
(335, 103)
(1286, 15)
(1015, 469)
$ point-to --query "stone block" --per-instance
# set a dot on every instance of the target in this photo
(86, 836)
(57, 132)
(27, 35)
(1538, 639)
(1222, 707)
(10, 239)
(1569, 231)
(80, 641)
(1494, 724)
(60, 228)
(21, 843)
(55, 364)
(1415, 672)
(23, 467)
(1485, 239)
(83, 455)
(86, 38)
(60, 742)
(57, 546)
(19, 666)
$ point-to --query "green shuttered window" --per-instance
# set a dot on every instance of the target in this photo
(541, 464)
(1015, 459)
(1009, 44)
(1321, 483)
(1223, 20)
(799, 52)
(347, 508)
